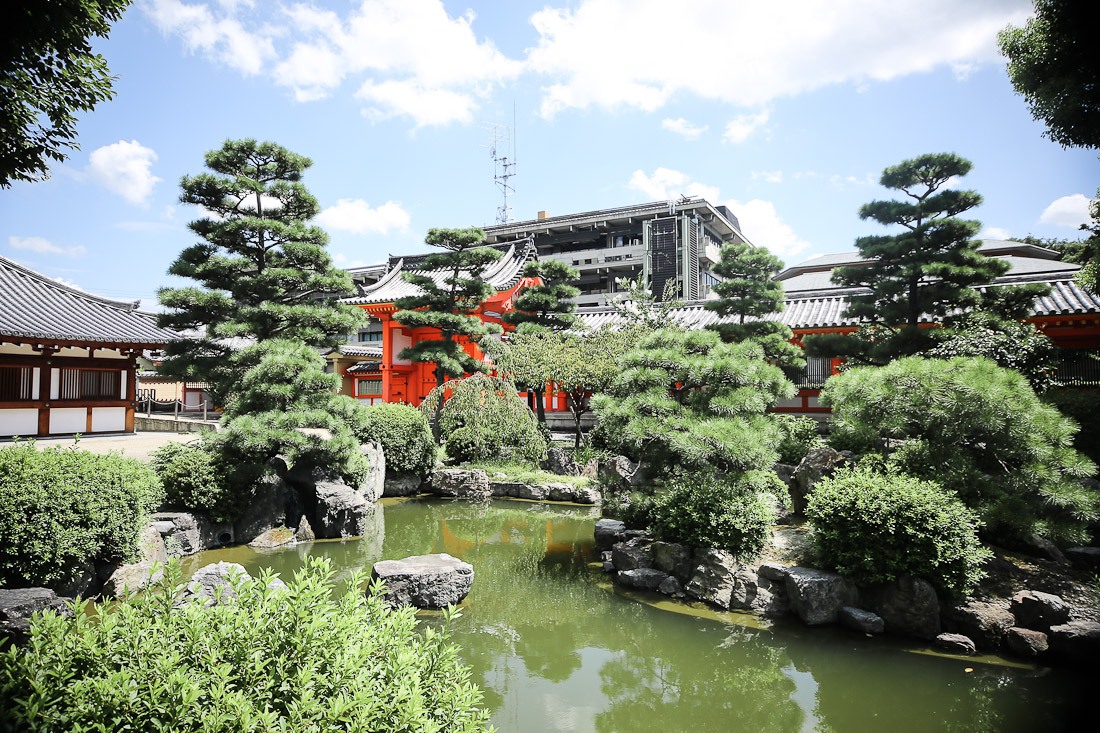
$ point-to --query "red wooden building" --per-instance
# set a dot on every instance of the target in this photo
(67, 358)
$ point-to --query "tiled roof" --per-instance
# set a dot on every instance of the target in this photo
(34, 307)
(501, 275)
(364, 367)
(358, 349)
(827, 310)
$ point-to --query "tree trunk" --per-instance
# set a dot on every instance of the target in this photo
(540, 408)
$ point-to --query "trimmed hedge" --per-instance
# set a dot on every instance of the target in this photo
(195, 480)
(874, 527)
(404, 434)
(799, 435)
(62, 509)
(304, 658)
(485, 420)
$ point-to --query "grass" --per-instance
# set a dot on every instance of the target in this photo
(526, 473)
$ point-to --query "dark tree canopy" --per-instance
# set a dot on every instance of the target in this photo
(48, 73)
(547, 306)
(1054, 62)
(928, 269)
(262, 269)
(749, 291)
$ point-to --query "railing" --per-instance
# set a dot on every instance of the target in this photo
(148, 405)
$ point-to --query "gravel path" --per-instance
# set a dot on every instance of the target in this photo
(138, 445)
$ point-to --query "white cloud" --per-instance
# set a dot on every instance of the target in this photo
(739, 128)
(43, 246)
(125, 169)
(768, 176)
(760, 222)
(683, 128)
(1069, 211)
(357, 216)
(220, 36)
(666, 184)
(994, 233)
(425, 106)
(636, 53)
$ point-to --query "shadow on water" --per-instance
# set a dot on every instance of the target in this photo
(556, 647)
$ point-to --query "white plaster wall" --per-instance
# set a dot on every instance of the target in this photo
(108, 354)
(108, 419)
(73, 351)
(36, 383)
(21, 421)
(125, 375)
(55, 383)
(794, 402)
(68, 420)
(22, 349)
(400, 342)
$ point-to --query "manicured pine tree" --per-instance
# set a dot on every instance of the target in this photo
(452, 288)
(749, 291)
(546, 307)
(928, 269)
(261, 268)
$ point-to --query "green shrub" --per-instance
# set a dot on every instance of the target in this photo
(404, 434)
(61, 509)
(1083, 406)
(978, 430)
(874, 527)
(703, 510)
(195, 480)
(485, 420)
(798, 436)
(307, 658)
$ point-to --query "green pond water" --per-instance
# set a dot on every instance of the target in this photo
(556, 647)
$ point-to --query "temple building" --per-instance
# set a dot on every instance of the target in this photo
(67, 358)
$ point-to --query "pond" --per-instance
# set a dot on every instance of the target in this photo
(556, 647)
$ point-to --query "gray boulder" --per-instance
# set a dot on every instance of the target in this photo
(1087, 558)
(817, 596)
(575, 494)
(642, 578)
(1076, 641)
(956, 644)
(712, 580)
(517, 490)
(758, 594)
(819, 463)
(561, 462)
(985, 623)
(859, 620)
(609, 532)
(674, 559)
(425, 581)
(340, 511)
(1033, 609)
(401, 484)
(908, 606)
(305, 532)
(460, 483)
(277, 537)
(17, 605)
(149, 569)
(268, 508)
(374, 483)
(621, 473)
(632, 554)
(185, 533)
(773, 571)
(1026, 642)
(212, 585)
(670, 586)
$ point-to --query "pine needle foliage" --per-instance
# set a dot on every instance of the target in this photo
(548, 306)
(978, 430)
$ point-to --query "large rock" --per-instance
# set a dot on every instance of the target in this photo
(374, 483)
(272, 501)
(17, 605)
(859, 620)
(1033, 609)
(908, 606)
(460, 483)
(402, 484)
(561, 462)
(425, 581)
(759, 594)
(635, 553)
(817, 596)
(673, 559)
(340, 511)
(277, 537)
(819, 463)
(642, 578)
(518, 490)
(608, 533)
(148, 569)
(1026, 642)
(212, 585)
(185, 533)
(712, 579)
(985, 623)
(622, 473)
(1087, 558)
(1077, 641)
(575, 494)
(956, 644)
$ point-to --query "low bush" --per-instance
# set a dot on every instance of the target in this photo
(705, 510)
(195, 480)
(62, 509)
(404, 434)
(875, 526)
(798, 436)
(485, 420)
(1083, 406)
(304, 658)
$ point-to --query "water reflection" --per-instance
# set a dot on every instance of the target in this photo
(557, 648)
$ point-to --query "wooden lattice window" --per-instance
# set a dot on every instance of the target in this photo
(90, 384)
(15, 383)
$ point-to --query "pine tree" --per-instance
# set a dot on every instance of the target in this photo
(452, 289)
(262, 269)
(749, 291)
(928, 270)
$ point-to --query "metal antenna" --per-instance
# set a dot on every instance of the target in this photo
(503, 166)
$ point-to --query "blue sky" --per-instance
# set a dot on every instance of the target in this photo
(785, 112)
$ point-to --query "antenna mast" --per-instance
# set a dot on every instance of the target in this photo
(503, 166)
